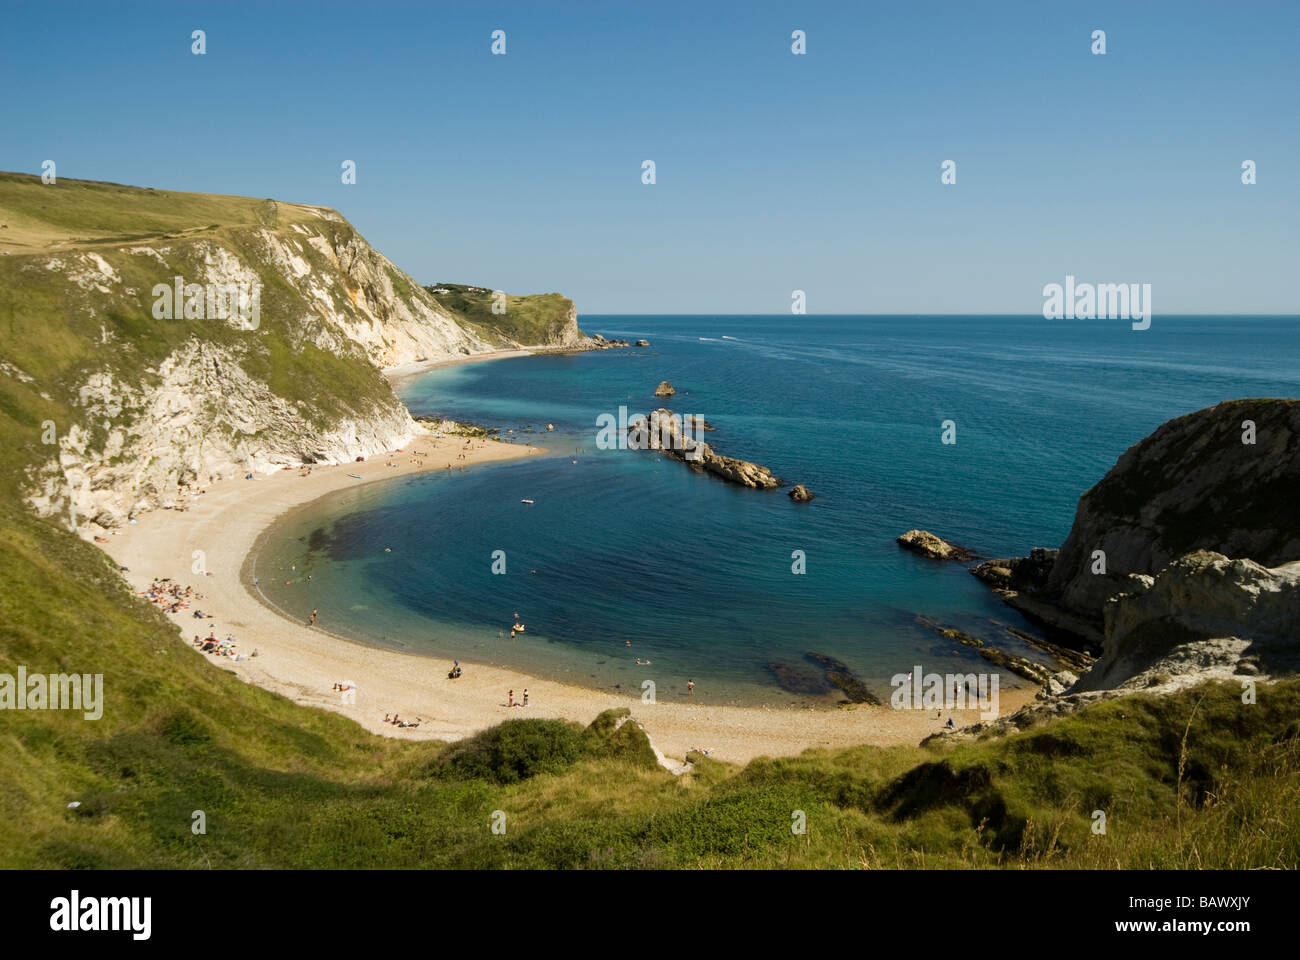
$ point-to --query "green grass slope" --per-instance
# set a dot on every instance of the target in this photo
(536, 319)
(35, 217)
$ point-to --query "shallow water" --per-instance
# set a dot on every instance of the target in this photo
(697, 573)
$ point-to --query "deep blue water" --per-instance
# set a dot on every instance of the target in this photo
(696, 573)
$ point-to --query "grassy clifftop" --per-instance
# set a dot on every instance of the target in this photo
(536, 319)
(142, 399)
(36, 217)
(79, 265)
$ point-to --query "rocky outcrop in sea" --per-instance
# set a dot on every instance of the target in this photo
(929, 545)
(662, 431)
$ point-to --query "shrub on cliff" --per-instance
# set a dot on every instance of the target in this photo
(515, 750)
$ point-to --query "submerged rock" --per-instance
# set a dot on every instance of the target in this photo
(801, 494)
(841, 676)
(799, 680)
(1018, 665)
(643, 343)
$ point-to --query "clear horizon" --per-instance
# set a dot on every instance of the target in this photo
(775, 172)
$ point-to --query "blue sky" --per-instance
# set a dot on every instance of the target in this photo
(775, 172)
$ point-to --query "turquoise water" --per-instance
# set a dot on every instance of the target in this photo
(696, 573)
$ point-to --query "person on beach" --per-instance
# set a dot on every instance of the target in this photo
(690, 686)
(525, 703)
(313, 618)
(511, 702)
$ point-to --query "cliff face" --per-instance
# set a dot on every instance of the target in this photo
(126, 397)
(201, 417)
(1204, 616)
(1191, 485)
(1200, 530)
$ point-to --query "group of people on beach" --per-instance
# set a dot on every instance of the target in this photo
(219, 648)
(171, 597)
(399, 722)
(512, 702)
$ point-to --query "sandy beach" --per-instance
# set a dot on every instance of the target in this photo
(302, 662)
(405, 371)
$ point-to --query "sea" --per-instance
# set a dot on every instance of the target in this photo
(626, 554)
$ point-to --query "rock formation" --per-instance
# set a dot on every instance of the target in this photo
(928, 545)
(1021, 666)
(1020, 582)
(1203, 616)
(1185, 557)
(1196, 483)
(839, 675)
(1191, 485)
(662, 431)
(695, 423)
(801, 494)
(665, 389)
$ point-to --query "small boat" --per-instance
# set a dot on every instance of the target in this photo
(525, 501)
